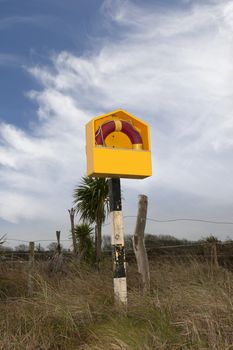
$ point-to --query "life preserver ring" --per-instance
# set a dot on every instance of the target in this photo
(122, 126)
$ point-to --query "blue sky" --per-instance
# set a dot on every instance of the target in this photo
(29, 33)
(167, 62)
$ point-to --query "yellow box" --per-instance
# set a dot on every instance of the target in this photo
(118, 145)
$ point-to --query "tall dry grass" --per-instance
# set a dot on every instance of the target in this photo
(189, 307)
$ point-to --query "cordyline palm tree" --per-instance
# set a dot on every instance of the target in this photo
(90, 201)
(85, 242)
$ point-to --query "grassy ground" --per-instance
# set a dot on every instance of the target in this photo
(188, 308)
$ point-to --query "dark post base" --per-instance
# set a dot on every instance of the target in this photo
(114, 185)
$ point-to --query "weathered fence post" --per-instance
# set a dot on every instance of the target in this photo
(117, 240)
(55, 265)
(139, 245)
(214, 256)
(75, 248)
(58, 235)
(31, 268)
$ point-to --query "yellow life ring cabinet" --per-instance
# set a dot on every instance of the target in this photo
(118, 145)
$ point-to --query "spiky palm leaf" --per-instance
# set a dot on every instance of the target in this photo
(2, 239)
(90, 199)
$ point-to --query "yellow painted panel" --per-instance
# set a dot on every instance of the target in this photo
(120, 162)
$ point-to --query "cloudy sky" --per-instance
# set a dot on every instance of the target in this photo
(167, 62)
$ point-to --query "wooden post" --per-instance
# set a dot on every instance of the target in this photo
(117, 240)
(214, 256)
(58, 235)
(31, 268)
(75, 248)
(139, 245)
(55, 265)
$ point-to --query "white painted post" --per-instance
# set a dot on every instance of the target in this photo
(117, 240)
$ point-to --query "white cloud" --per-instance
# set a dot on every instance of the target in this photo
(172, 68)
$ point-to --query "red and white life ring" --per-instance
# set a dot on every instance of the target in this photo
(122, 126)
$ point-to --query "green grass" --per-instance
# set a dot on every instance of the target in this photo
(188, 308)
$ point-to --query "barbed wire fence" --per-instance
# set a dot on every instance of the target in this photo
(150, 247)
